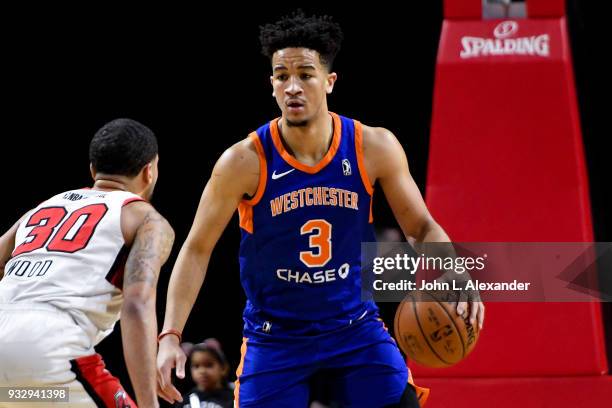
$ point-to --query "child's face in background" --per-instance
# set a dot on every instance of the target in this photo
(206, 371)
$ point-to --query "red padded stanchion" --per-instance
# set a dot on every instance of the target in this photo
(507, 164)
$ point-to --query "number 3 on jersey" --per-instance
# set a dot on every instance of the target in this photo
(68, 238)
(320, 240)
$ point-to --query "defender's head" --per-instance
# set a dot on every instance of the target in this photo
(125, 150)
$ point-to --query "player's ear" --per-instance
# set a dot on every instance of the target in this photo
(329, 83)
(147, 173)
(92, 171)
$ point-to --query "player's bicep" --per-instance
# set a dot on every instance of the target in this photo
(150, 250)
(401, 192)
(214, 212)
(234, 176)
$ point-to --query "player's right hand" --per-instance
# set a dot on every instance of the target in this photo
(169, 356)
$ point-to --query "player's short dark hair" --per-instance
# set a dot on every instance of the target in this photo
(319, 33)
(122, 147)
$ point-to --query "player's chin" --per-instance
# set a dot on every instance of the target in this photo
(296, 113)
(297, 120)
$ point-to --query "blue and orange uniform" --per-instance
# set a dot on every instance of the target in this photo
(300, 267)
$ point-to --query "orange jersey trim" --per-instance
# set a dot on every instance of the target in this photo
(292, 161)
(360, 159)
(243, 350)
(371, 219)
(263, 170)
(421, 393)
(245, 214)
(361, 165)
(245, 207)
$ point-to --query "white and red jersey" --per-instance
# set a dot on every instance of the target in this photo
(70, 253)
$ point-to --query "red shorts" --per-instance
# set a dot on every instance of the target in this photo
(101, 386)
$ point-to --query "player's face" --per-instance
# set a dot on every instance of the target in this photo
(301, 84)
(206, 371)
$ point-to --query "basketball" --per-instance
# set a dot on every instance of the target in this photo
(430, 332)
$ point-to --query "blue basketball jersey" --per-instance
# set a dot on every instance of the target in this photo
(300, 253)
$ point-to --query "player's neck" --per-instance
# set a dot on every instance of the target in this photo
(308, 143)
(107, 184)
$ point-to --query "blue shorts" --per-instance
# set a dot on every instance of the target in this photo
(366, 365)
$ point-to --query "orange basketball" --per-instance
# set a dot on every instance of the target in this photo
(430, 331)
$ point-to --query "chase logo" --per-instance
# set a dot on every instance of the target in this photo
(317, 277)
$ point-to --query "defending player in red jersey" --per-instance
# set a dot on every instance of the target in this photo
(77, 261)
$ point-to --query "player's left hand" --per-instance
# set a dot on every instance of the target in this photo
(469, 304)
(169, 356)
(474, 307)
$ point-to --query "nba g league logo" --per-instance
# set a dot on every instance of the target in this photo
(346, 167)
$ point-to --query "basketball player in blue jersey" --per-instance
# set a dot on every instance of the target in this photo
(303, 187)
